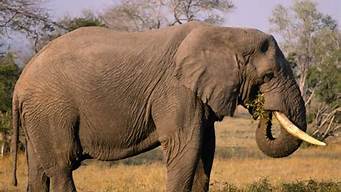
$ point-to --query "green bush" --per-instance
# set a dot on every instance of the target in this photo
(9, 73)
(326, 79)
(230, 188)
(5, 122)
(311, 186)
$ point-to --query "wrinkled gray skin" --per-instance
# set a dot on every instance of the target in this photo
(101, 94)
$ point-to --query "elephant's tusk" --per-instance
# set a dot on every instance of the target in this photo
(295, 131)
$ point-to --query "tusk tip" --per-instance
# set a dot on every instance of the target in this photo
(322, 144)
(317, 142)
(295, 131)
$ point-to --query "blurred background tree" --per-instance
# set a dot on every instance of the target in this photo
(17, 17)
(140, 15)
(9, 72)
(311, 41)
(27, 17)
(88, 18)
(67, 24)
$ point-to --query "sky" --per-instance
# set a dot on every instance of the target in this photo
(248, 13)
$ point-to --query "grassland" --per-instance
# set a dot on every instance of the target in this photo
(238, 165)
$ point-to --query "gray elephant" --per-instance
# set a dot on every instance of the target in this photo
(106, 95)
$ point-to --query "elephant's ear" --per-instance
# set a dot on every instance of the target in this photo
(208, 67)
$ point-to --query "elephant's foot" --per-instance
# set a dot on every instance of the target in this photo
(38, 182)
(63, 182)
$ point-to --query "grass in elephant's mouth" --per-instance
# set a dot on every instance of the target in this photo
(238, 165)
(255, 106)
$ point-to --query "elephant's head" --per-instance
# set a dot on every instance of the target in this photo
(230, 66)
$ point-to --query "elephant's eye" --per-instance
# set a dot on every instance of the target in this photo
(268, 76)
(265, 46)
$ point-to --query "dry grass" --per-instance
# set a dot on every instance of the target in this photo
(238, 161)
(5, 174)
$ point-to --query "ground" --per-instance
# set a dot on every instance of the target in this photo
(237, 161)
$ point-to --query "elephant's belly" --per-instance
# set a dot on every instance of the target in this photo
(110, 131)
(114, 144)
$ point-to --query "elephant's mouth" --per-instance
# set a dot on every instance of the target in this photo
(255, 107)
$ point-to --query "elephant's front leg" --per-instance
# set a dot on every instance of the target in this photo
(181, 153)
(179, 124)
(203, 171)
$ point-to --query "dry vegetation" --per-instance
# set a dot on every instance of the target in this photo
(238, 162)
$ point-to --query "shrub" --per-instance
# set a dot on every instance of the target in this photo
(311, 186)
(262, 185)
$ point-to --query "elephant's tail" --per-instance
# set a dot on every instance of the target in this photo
(15, 136)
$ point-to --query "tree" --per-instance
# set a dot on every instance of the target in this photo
(326, 79)
(21, 15)
(140, 15)
(301, 28)
(87, 19)
(312, 42)
(9, 72)
(68, 24)
(25, 16)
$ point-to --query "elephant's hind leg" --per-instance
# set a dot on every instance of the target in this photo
(53, 134)
(66, 153)
(37, 179)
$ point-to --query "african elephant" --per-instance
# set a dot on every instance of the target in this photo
(106, 95)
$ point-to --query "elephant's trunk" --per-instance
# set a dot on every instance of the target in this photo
(291, 104)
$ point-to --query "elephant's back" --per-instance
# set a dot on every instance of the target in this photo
(96, 59)
(71, 58)
(96, 46)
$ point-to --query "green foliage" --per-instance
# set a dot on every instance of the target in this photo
(5, 122)
(83, 22)
(312, 42)
(326, 79)
(9, 72)
(309, 38)
(293, 187)
(87, 19)
(311, 186)
(229, 188)
(260, 186)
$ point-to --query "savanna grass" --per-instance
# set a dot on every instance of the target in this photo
(264, 185)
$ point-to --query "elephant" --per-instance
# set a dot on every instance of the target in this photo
(95, 93)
